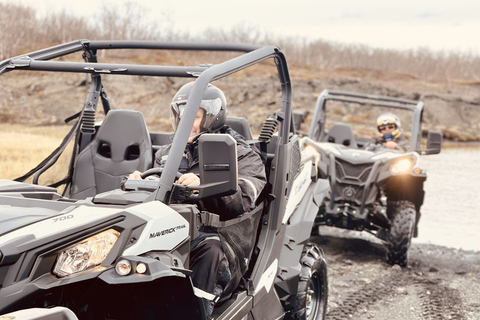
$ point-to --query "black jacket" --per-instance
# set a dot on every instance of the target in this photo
(373, 144)
(251, 176)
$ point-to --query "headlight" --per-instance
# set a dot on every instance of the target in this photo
(402, 166)
(85, 254)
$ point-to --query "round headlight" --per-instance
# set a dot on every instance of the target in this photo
(141, 268)
(123, 267)
(402, 166)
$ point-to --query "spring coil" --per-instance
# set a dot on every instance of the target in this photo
(268, 129)
(88, 121)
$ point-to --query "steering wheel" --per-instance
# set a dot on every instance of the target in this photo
(157, 171)
(397, 147)
(370, 147)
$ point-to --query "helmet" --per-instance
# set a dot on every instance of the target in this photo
(213, 102)
(386, 119)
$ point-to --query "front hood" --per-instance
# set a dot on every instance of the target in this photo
(164, 229)
(357, 155)
(23, 204)
(12, 218)
(45, 223)
(14, 186)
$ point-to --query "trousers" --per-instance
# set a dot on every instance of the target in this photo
(211, 272)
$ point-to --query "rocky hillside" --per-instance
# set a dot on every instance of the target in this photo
(37, 99)
(453, 108)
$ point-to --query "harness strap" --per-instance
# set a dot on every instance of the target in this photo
(50, 159)
(210, 219)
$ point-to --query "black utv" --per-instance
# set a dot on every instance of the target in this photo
(94, 251)
(372, 188)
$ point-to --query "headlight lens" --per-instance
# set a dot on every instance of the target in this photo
(123, 267)
(402, 166)
(85, 254)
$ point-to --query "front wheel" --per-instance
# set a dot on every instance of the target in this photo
(312, 294)
(402, 217)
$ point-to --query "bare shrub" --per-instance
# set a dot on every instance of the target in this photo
(21, 30)
(421, 62)
(129, 21)
(62, 27)
(239, 33)
(17, 27)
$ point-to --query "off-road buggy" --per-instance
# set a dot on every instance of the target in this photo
(372, 188)
(99, 252)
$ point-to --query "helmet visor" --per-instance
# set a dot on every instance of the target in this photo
(176, 110)
(211, 107)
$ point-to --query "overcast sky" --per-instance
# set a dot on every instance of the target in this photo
(452, 25)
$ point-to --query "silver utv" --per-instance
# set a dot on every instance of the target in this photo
(98, 252)
(372, 188)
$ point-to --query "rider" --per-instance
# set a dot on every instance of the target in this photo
(390, 132)
(211, 270)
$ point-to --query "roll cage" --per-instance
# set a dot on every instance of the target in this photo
(317, 129)
(84, 130)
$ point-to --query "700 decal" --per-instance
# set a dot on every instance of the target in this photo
(62, 218)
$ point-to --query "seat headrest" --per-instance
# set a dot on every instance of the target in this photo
(126, 129)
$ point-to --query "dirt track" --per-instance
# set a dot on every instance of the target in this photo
(438, 283)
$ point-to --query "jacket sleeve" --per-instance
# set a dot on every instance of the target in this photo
(251, 181)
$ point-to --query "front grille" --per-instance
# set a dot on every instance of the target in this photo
(346, 170)
(296, 159)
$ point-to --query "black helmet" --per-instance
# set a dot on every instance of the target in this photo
(213, 102)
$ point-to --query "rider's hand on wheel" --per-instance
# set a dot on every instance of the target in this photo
(135, 175)
(189, 179)
(390, 144)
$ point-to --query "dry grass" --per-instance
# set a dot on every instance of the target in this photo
(22, 148)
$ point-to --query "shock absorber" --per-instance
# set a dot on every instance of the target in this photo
(268, 129)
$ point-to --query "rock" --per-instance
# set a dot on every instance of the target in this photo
(396, 267)
(347, 262)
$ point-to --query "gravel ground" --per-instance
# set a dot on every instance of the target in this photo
(438, 282)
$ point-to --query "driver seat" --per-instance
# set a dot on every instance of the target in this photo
(121, 146)
(342, 134)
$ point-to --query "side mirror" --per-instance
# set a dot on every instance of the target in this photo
(298, 119)
(434, 142)
(217, 155)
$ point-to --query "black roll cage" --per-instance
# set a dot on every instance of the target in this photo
(317, 129)
(204, 74)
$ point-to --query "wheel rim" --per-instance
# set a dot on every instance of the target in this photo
(314, 297)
